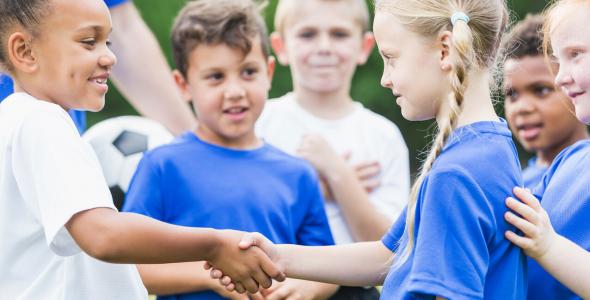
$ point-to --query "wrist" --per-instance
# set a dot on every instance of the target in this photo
(215, 244)
(338, 172)
(554, 244)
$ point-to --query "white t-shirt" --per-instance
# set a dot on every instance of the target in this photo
(48, 174)
(364, 134)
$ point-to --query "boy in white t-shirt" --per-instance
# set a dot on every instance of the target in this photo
(54, 201)
(323, 42)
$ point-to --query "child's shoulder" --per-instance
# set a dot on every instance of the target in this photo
(574, 157)
(21, 109)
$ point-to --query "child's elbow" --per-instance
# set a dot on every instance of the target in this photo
(95, 233)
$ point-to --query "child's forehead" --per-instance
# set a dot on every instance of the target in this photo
(324, 12)
(79, 14)
(205, 55)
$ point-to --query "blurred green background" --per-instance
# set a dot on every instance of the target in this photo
(159, 16)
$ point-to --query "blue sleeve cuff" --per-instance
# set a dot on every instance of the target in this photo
(113, 3)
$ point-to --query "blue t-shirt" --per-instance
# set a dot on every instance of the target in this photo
(79, 117)
(533, 173)
(460, 251)
(565, 195)
(192, 183)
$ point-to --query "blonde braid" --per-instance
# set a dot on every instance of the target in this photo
(464, 58)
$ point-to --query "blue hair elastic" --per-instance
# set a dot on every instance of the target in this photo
(459, 16)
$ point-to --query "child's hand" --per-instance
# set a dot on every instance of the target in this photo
(367, 173)
(534, 223)
(289, 289)
(249, 241)
(315, 149)
(249, 266)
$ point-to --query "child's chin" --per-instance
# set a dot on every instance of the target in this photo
(95, 105)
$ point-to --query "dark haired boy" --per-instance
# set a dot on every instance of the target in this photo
(221, 175)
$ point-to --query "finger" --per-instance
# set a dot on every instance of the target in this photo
(250, 285)
(523, 225)
(371, 184)
(250, 240)
(522, 242)
(230, 287)
(225, 280)
(207, 266)
(279, 294)
(528, 198)
(256, 296)
(262, 279)
(524, 210)
(368, 170)
(271, 269)
(239, 287)
(346, 155)
(216, 274)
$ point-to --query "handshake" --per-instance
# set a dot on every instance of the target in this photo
(244, 262)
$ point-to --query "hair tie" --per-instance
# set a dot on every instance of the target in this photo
(459, 16)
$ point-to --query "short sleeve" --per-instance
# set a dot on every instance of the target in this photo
(145, 191)
(58, 173)
(113, 3)
(451, 255)
(392, 238)
(314, 229)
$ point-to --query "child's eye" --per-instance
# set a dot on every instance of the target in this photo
(542, 91)
(109, 43)
(510, 95)
(89, 42)
(340, 34)
(249, 72)
(214, 76)
(308, 34)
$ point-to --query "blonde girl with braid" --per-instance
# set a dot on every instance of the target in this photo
(449, 243)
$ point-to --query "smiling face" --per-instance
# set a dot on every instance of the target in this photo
(322, 42)
(540, 116)
(411, 68)
(571, 46)
(72, 60)
(228, 90)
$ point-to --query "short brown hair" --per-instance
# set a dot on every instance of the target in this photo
(24, 13)
(525, 38)
(232, 22)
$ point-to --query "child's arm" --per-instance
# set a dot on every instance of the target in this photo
(358, 264)
(162, 100)
(131, 238)
(365, 222)
(563, 259)
(297, 289)
(181, 278)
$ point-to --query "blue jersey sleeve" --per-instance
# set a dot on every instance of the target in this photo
(451, 256)
(391, 239)
(314, 229)
(113, 3)
(145, 191)
(5, 86)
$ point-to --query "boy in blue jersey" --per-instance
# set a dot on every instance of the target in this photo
(161, 101)
(540, 115)
(221, 175)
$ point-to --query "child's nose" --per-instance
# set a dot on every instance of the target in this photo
(108, 59)
(563, 78)
(234, 91)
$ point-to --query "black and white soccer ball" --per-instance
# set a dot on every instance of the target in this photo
(119, 144)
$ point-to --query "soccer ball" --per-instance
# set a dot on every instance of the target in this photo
(119, 144)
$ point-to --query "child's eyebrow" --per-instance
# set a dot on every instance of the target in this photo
(96, 29)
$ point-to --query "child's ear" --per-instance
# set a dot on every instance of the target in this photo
(367, 47)
(20, 52)
(278, 46)
(445, 42)
(270, 69)
(182, 85)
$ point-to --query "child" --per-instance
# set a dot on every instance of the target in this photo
(449, 243)
(539, 115)
(562, 263)
(53, 198)
(221, 175)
